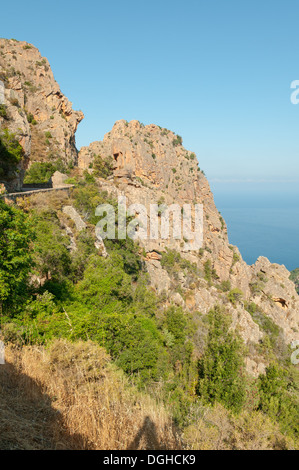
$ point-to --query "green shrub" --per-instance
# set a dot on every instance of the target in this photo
(15, 261)
(41, 63)
(209, 272)
(256, 287)
(102, 168)
(221, 369)
(3, 111)
(30, 118)
(264, 321)
(41, 172)
(222, 223)
(278, 390)
(50, 249)
(225, 286)
(236, 258)
(235, 296)
(11, 153)
(177, 141)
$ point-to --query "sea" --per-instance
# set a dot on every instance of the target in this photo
(262, 219)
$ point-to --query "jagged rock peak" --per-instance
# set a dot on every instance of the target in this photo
(37, 111)
(150, 165)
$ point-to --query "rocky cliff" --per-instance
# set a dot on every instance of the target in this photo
(35, 111)
(150, 165)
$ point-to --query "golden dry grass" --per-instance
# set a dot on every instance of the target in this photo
(71, 397)
(44, 201)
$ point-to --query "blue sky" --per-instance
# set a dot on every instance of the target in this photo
(216, 72)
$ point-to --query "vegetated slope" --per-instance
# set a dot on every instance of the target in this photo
(198, 330)
(165, 350)
(71, 397)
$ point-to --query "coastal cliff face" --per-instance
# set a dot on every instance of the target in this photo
(35, 111)
(149, 165)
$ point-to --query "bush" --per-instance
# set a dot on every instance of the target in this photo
(235, 296)
(177, 141)
(87, 197)
(15, 260)
(221, 370)
(41, 172)
(279, 397)
(50, 249)
(263, 320)
(225, 286)
(30, 118)
(11, 153)
(103, 168)
(3, 111)
(209, 272)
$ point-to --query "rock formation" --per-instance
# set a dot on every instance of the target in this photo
(152, 166)
(36, 111)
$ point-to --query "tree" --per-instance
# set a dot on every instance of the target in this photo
(50, 249)
(39, 173)
(221, 369)
(279, 397)
(103, 168)
(11, 153)
(105, 285)
(15, 259)
(235, 296)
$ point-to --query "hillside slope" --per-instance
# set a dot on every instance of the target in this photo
(50, 402)
(205, 337)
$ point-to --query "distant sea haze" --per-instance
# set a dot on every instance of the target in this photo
(262, 219)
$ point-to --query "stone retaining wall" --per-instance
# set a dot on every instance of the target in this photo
(15, 196)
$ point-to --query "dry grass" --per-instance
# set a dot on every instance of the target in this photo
(217, 429)
(71, 397)
(44, 201)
